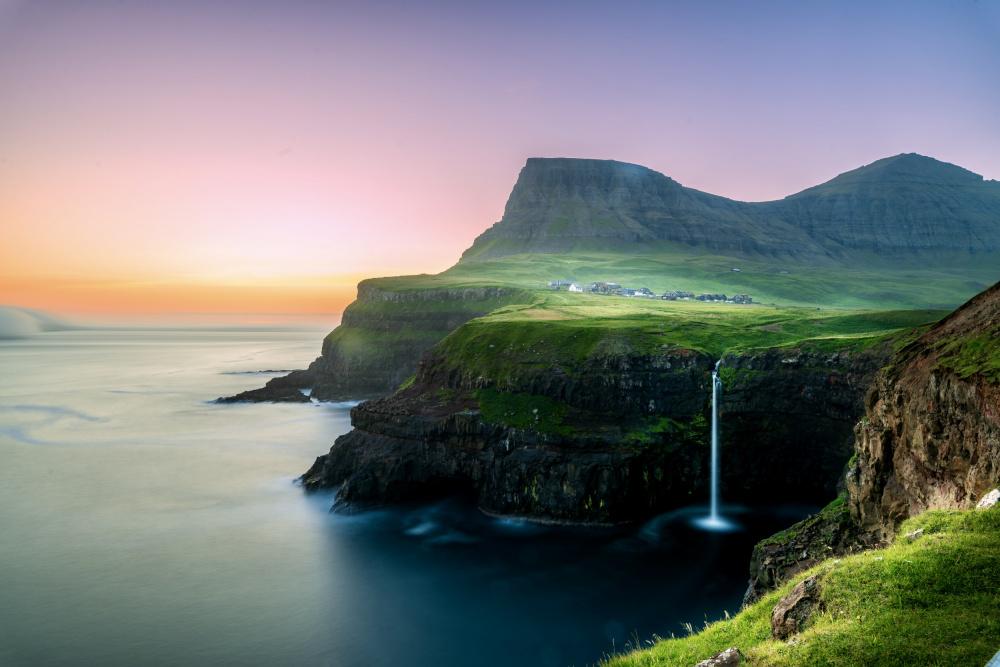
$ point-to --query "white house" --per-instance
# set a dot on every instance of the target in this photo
(575, 288)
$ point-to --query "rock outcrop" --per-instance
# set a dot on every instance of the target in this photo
(728, 658)
(831, 533)
(792, 614)
(931, 437)
(284, 389)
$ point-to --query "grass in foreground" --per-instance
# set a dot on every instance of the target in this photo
(934, 600)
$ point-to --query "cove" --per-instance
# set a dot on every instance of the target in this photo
(441, 583)
(155, 527)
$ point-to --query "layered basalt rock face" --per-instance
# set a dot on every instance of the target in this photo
(634, 440)
(432, 435)
(793, 413)
(931, 437)
(907, 207)
(558, 202)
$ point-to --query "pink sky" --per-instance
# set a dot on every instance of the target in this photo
(264, 156)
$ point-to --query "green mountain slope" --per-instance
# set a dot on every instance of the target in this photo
(906, 210)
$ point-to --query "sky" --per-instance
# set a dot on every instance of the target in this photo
(263, 156)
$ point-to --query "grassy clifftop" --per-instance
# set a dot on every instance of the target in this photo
(562, 329)
(384, 331)
(930, 600)
(661, 266)
(519, 360)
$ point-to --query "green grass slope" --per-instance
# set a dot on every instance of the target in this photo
(560, 332)
(932, 600)
(564, 328)
(661, 267)
(376, 325)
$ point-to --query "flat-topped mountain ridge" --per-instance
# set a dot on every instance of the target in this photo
(902, 209)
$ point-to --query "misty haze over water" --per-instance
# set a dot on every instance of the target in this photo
(143, 524)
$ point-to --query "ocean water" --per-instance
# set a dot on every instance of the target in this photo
(142, 524)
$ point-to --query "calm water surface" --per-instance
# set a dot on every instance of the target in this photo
(142, 524)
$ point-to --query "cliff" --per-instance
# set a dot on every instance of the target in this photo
(907, 208)
(622, 435)
(384, 331)
(380, 338)
(556, 462)
(931, 436)
(930, 439)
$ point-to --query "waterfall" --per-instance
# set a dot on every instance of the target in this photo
(713, 521)
(713, 516)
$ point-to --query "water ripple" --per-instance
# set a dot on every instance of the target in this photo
(38, 416)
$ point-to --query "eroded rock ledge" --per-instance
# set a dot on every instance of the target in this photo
(284, 389)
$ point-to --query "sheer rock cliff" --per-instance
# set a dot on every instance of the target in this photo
(383, 332)
(930, 439)
(783, 412)
(931, 436)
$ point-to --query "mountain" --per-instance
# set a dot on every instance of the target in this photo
(906, 208)
(902, 206)
(903, 232)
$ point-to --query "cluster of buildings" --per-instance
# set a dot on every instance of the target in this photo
(613, 289)
(739, 298)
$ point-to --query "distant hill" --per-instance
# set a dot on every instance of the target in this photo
(903, 210)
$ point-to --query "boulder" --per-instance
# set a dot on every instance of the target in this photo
(791, 615)
(989, 500)
(727, 658)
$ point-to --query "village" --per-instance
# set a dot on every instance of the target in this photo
(613, 289)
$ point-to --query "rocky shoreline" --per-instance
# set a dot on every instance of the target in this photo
(284, 389)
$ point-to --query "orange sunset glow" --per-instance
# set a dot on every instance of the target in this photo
(263, 157)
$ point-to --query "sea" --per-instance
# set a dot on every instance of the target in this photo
(143, 524)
